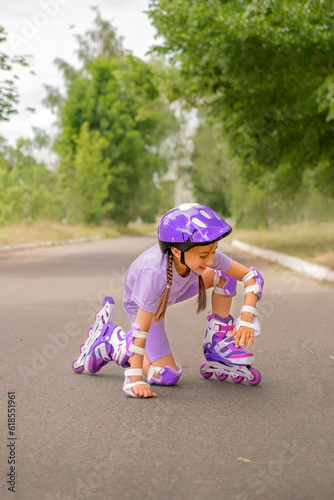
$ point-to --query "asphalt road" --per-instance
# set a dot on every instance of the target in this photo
(79, 437)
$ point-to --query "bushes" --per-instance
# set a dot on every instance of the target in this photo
(28, 189)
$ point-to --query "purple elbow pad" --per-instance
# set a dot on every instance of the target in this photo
(259, 281)
(258, 288)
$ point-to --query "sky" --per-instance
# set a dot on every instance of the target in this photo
(44, 30)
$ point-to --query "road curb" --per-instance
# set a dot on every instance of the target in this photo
(29, 246)
(300, 265)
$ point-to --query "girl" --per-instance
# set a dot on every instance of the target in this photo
(185, 263)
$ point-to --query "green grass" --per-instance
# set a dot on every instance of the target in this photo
(313, 242)
(138, 229)
(44, 230)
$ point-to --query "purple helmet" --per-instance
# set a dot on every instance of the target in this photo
(190, 225)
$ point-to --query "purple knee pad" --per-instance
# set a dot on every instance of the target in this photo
(230, 286)
(168, 376)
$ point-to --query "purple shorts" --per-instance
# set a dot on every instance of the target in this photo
(157, 345)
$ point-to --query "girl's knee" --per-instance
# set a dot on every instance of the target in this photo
(224, 284)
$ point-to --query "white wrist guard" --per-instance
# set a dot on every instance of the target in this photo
(135, 332)
(131, 372)
(255, 322)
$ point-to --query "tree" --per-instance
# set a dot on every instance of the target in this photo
(265, 69)
(87, 192)
(8, 93)
(101, 40)
(28, 189)
(217, 181)
(118, 96)
(212, 170)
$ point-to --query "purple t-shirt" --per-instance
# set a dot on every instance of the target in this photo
(146, 280)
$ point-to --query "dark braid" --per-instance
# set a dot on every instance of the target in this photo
(201, 295)
(169, 269)
(162, 306)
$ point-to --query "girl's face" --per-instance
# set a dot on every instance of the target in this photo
(198, 258)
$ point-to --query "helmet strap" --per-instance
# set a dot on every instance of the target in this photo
(183, 261)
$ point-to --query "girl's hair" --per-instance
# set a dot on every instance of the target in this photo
(162, 306)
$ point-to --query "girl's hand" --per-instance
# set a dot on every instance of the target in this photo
(243, 336)
(142, 390)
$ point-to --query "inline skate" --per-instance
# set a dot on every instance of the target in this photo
(106, 342)
(222, 356)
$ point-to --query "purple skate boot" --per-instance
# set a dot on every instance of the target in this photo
(102, 317)
(222, 356)
(110, 345)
